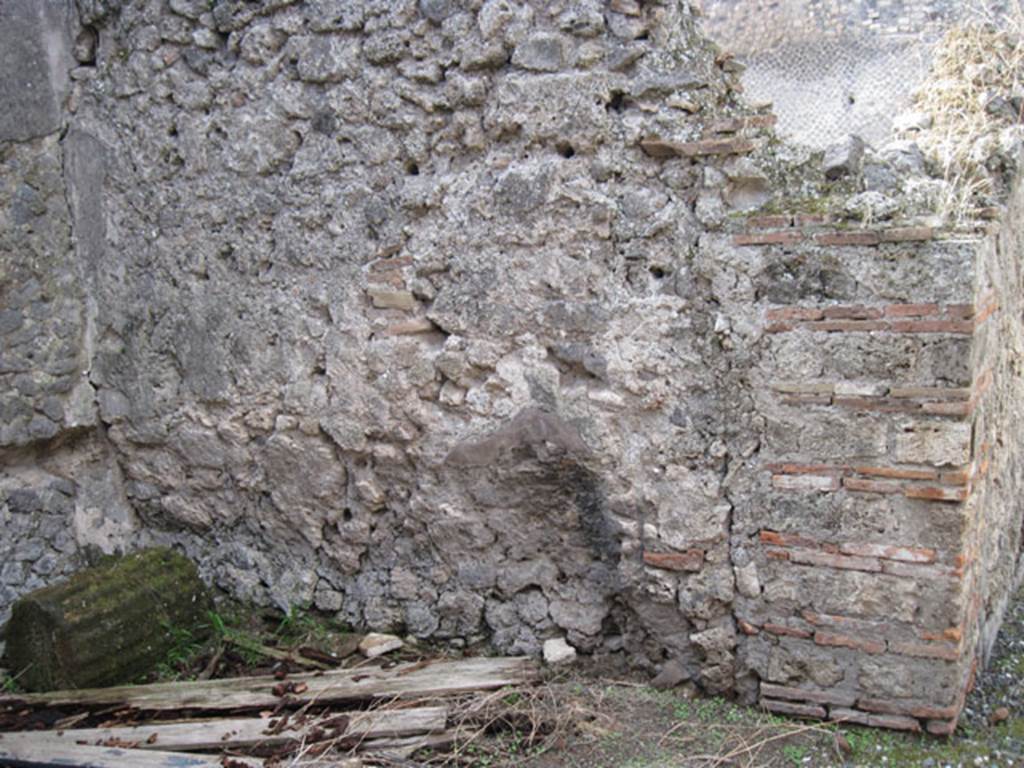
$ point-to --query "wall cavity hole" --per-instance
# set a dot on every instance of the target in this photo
(85, 46)
(658, 273)
(346, 515)
(617, 102)
(565, 150)
(412, 168)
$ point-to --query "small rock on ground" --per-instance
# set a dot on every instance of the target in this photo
(376, 644)
(557, 651)
(672, 674)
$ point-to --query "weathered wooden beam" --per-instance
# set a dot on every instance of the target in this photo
(200, 735)
(80, 756)
(437, 678)
(406, 747)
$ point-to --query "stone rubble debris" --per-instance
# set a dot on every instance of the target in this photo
(377, 644)
(558, 652)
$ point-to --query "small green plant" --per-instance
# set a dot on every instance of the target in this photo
(301, 625)
(8, 684)
(244, 644)
(184, 649)
(708, 710)
(734, 714)
(794, 754)
(220, 629)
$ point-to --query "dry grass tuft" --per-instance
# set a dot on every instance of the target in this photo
(977, 78)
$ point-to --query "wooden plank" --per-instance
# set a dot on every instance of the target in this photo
(406, 747)
(239, 733)
(436, 678)
(78, 756)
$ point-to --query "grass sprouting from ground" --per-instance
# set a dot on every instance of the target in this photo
(234, 634)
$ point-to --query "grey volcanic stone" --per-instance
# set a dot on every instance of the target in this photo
(557, 651)
(35, 58)
(541, 52)
(844, 158)
(437, 10)
(671, 675)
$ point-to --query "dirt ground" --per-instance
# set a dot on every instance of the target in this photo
(586, 716)
(607, 723)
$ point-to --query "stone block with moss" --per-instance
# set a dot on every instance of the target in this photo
(108, 624)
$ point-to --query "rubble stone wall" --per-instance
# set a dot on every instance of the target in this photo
(499, 321)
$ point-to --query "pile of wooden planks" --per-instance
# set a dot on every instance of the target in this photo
(301, 720)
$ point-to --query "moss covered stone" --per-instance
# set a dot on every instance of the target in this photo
(108, 624)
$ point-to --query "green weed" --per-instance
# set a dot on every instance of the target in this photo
(184, 650)
(9, 684)
(220, 628)
(794, 754)
(682, 710)
(299, 625)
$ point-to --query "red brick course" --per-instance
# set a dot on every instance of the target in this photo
(892, 318)
(932, 326)
(895, 552)
(816, 483)
(906, 234)
(838, 698)
(734, 124)
(787, 539)
(845, 641)
(853, 313)
(908, 707)
(812, 711)
(937, 494)
(795, 313)
(945, 486)
(914, 571)
(811, 219)
(781, 629)
(894, 722)
(747, 628)
(768, 238)
(863, 237)
(661, 148)
(897, 473)
(692, 560)
(806, 469)
(903, 554)
(841, 562)
(847, 326)
(942, 651)
(877, 405)
(941, 727)
(911, 310)
(769, 222)
(871, 486)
